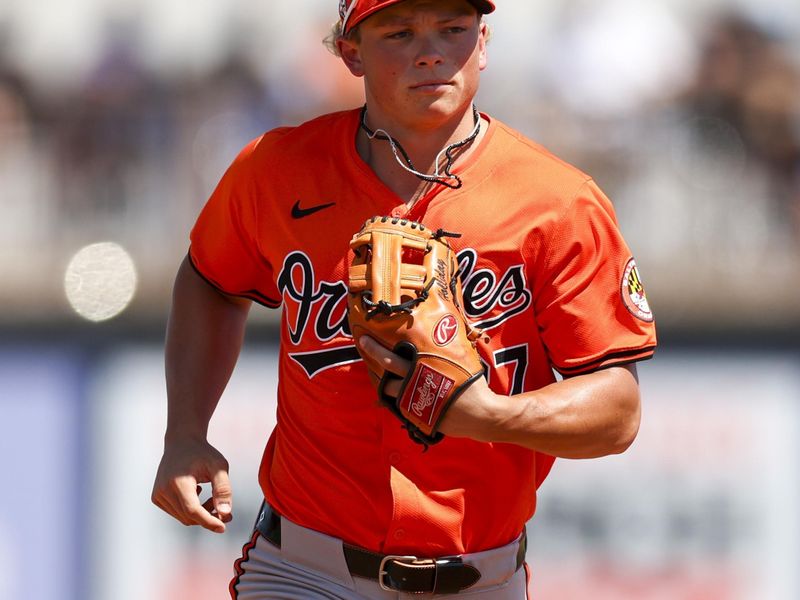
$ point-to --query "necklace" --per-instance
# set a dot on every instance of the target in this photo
(444, 177)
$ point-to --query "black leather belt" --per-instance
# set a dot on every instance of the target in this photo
(446, 575)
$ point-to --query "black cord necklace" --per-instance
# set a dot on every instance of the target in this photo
(446, 177)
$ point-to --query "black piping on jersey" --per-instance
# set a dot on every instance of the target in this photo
(612, 359)
(253, 295)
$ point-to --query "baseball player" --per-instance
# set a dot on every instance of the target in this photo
(354, 508)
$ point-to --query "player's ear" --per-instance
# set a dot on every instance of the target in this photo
(350, 52)
(483, 38)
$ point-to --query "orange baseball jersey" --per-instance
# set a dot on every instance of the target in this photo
(545, 272)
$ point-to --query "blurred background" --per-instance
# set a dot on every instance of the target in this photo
(117, 118)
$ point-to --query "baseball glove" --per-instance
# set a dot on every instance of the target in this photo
(405, 293)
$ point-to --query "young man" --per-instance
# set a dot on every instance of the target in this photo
(354, 509)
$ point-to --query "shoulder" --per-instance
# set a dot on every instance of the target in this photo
(308, 142)
(314, 136)
(521, 157)
(542, 189)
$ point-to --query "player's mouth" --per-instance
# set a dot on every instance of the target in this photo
(434, 85)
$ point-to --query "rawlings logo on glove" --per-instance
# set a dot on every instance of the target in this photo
(445, 330)
(405, 293)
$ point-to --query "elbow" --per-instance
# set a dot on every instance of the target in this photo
(627, 430)
(624, 440)
(629, 411)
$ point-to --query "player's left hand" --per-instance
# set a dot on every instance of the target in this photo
(473, 414)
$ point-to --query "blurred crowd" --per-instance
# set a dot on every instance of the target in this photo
(702, 161)
(698, 146)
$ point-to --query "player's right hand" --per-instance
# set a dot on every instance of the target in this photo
(186, 463)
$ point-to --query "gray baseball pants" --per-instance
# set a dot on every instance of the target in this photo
(309, 565)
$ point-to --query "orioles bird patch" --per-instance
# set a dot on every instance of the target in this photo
(633, 295)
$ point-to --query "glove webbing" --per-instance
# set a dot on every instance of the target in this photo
(386, 308)
(383, 307)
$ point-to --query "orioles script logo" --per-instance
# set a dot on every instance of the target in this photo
(316, 310)
(445, 330)
(489, 300)
(301, 295)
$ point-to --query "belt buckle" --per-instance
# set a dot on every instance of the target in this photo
(382, 572)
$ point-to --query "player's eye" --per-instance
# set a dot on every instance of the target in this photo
(398, 35)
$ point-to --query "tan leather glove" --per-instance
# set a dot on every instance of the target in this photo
(405, 293)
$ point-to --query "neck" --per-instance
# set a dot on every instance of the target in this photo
(421, 145)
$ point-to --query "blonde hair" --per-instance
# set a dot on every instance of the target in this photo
(335, 34)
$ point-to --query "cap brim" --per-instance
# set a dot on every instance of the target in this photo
(483, 6)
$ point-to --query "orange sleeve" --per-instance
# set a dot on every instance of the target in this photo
(225, 245)
(589, 317)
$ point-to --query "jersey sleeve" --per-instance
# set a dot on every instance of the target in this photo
(225, 246)
(589, 298)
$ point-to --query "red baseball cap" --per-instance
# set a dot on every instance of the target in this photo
(352, 12)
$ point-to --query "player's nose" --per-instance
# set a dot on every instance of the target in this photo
(429, 54)
(429, 60)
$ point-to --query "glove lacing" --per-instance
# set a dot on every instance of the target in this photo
(383, 307)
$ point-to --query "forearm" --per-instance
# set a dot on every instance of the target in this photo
(583, 417)
(204, 338)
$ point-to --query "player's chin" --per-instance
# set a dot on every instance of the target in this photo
(441, 108)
